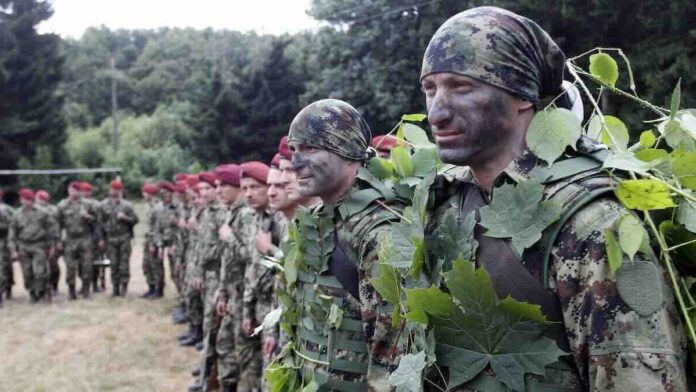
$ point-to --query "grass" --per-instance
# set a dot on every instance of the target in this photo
(99, 344)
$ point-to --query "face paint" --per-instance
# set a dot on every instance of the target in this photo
(319, 172)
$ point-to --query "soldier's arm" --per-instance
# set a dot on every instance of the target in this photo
(158, 231)
(383, 340)
(624, 329)
(131, 217)
(249, 297)
(5, 218)
(12, 235)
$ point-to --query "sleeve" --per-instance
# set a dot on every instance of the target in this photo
(13, 234)
(624, 328)
(131, 217)
(158, 231)
(249, 298)
(5, 218)
(383, 341)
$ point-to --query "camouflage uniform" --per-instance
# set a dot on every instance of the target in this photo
(149, 259)
(6, 278)
(178, 267)
(77, 219)
(53, 268)
(194, 301)
(30, 237)
(166, 228)
(118, 233)
(230, 339)
(98, 272)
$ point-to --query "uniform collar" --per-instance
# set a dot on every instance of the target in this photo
(520, 169)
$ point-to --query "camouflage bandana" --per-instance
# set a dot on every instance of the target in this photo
(332, 125)
(500, 48)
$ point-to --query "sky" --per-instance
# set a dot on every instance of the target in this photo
(72, 17)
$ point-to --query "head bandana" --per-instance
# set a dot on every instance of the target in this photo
(332, 125)
(500, 48)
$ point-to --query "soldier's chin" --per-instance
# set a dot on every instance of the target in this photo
(454, 155)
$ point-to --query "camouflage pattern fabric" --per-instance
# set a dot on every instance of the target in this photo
(53, 268)
(149, 259)
(616, 343)
(178, 272)
(77, 219)
(164, 234)
(118, 234)
(194, 301)
(500, 48)
(332, 125)
(29, 237)
(6, 278)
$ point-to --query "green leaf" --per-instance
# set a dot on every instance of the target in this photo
(647, 139)
(626, 160)
(631, 234)
(271, 319)
(417, 117)
(335, 316)
(644, 195)
(686, 215)
(523, 309)
(431, 301)
(652, 154)
(417, 316)
(408, 376)
(418, 258)
(518, 213)
(311, 387)
(388, 284)
(281, 378)
(680, 132)
(684, 168)
(594, 127)
(614, 254)
(615, 134)
(380, 167)
(416, 136)
(454, 239)
(674, 102)
(604, 68)
(424, 161)
(551, 131)
(402, 161)
(397, 248)
(684, 256)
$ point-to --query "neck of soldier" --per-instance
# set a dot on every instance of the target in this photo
(500, 158)
(340, 191)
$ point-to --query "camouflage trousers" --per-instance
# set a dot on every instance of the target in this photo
(228, 335)
(53, 270)
(211, 323)
(178, 272)
(6, 273)
(118, 250)
(153, 266)
(34, 260)
(78, 257)
(194, 300)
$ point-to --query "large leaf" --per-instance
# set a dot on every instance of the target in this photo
(416, 136)
(626, 160)
(631, 234)
(407, 377)
(674, 102)
(604, 68)
(647, 139)
(680, 132)
(269, 321)
(517, 212)
(686, 215)
(644, 195)
(416, 117)
(454, 239)
(683, 256)
(431, 301)
(614, 255)
(551, 131)
(388, 284)
(424, 161)
(615, 134)
(684, 168)
(397, 248)
(402, 161)
(380, 167)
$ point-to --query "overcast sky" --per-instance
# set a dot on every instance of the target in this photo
(72, 17)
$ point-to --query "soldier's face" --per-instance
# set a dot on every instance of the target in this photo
(288, 176)
(166, 196)
(74, 193)
(319, 172)
(26, 203)
(255, 193)
(207, 192)
(277, 197)
(472, 121)
(115, 194)
(227, 194)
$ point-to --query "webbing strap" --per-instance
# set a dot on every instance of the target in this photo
(339, 343)
(341, 365)
(331, 384)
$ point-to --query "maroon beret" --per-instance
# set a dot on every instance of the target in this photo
(283, 148)
(228, 174)
(77, 185)
(275, 162)
(208, 177)
(116, 185)
(43, 195)
(192, 180)
(26, 194)
(85, 186)
(180, 187)
(256, 170)
(150, 189)
(166, 185)
(180, 177)
(384, 143)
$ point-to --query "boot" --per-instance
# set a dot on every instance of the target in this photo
(115, 290)
(0, 300)
(85, 290)
(71, 292)
(187, 334)
(196, 371)
(159, 293)
(149, 293)
(181, 319)
(195, 338)
(199, 346)
(8, 293)
(33, 297)
(124, 289)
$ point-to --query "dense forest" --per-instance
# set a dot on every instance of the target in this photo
(185, 99)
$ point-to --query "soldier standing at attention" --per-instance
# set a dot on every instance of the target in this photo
(329, 141)
(117, 219)
(149, 192)
(483, 74)
(29, 240)
(43, 199)
(6, 275)
(98, 271)
(183, 205)
(76, 219)
(166, 221)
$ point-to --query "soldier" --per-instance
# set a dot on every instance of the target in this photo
(177, 272)
(117, 219)
(483, 72)
(76, 219)
(98, 271)
(149, 192)
(165, 232)
(6, 275)
(329, 140)
(30, 240)
(43, 199)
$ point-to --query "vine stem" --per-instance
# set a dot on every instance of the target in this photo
(682, 244)
(393, 211)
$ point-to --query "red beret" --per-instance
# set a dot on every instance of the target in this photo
(116, 185)
(256, 170)
(180, 187)
(192, 180)
(228, 174)
(384, 143)
(208, 177)
(180, 177)
(283, 148)
(166, 185)
(85, 186)
(77, 185)
(26, 194)
(275, 162)
(43, 195)
(150, 189)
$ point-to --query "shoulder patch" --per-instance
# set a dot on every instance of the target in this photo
(640, 286)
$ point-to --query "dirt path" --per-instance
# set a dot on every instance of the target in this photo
(100, 344)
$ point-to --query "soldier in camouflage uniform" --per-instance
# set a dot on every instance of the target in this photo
(330, 140)
(6, 278)
(76, 219)
(30, 242)
(43, 199)
(178, 271)
(166, 219)
(117, 219)
(483, 73)
(149, 192)
(98, 272)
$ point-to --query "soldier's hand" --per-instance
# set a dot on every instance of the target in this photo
(221, 306)
(247, 327)
(101, 245)
(263, 242)
(225, 232)
(198, 284)
(121, 216)
(14, 256)
(269, 345)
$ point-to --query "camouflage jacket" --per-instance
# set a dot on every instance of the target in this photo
(6, 213)
(115, 228)
(151, 219)
(617, 341)
(237, 252)
(77, 218)
(210, 247)
(29, 226)
(54, 231)
(166, 225)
